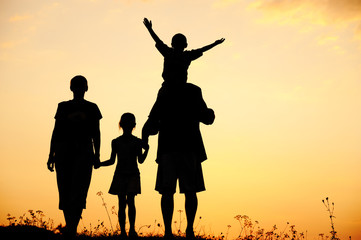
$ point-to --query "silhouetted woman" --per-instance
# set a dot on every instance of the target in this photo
(74, 150)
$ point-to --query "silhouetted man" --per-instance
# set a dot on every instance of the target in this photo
(180, 149)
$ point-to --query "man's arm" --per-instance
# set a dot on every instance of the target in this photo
(207, 115)
(148, 25)
(206, 48)
(143, 156)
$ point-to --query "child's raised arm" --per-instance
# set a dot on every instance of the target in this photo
(206, 48)
(111, 161)
(148, 25)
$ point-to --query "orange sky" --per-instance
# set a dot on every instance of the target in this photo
(285, 87)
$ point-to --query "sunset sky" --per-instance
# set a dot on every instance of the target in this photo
(285, 87)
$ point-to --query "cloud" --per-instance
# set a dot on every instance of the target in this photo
(320, 12)
(327, 39)
(224, 3)
(19, 18)
(308, 14)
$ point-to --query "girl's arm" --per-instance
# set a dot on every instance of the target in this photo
(206, 48)
(148, 25)
(111, 161)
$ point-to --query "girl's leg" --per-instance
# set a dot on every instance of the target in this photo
(121, 212)
(131, 212)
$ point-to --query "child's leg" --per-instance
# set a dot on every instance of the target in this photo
(131, 212)
(121, 212)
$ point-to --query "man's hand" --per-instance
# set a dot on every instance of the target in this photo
(51, 163)
(147, 23)
(96, 162)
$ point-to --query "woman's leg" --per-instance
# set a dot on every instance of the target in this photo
(72, 218)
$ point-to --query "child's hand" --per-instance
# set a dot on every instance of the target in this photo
(219, 41)
(147, 23)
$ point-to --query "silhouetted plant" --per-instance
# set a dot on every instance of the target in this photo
(100, 194)
(330, 209)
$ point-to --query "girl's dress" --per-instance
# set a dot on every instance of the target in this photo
(126, 178)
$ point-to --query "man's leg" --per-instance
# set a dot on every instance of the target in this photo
(191, 205)
(167, 205)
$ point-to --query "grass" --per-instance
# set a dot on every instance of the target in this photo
(35, 224)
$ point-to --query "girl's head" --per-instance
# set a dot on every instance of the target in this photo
(127, 122)
(179, 41)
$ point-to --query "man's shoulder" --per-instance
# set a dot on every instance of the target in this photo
(193, 88)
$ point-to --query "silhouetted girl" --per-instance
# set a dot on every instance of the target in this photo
(126, 180)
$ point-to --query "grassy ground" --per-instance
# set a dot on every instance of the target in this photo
(31, 225)
(37, 233)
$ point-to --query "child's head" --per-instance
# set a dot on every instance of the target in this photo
(78, 84)
(179, 41)
(127, 122)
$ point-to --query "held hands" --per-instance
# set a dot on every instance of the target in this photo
(147, 23)
(97, 163)
(219, 41)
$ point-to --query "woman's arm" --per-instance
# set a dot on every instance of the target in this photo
(51, 160)
(96, 145)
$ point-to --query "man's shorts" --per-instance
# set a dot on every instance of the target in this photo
(183, 166)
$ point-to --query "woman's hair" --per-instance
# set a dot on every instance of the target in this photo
(78, 83)
(127, 121)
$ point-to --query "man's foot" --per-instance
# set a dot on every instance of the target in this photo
(190, 234)
(168, 235)
(133, 234)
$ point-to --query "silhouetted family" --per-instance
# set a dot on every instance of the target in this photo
(175, 116)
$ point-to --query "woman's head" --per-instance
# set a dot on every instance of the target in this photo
(78, 84)
(127, 121)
